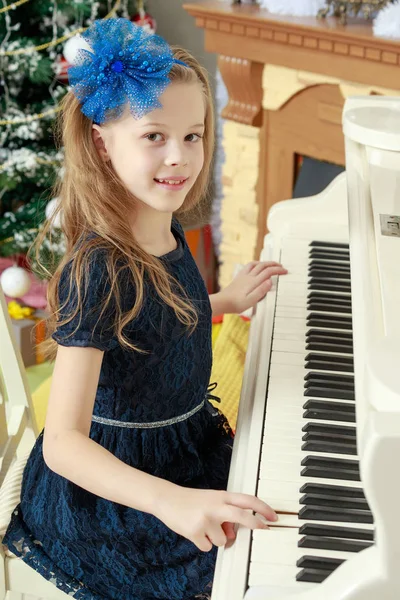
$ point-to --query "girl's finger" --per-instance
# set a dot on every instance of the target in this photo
(244, 517)
(259, 293)
(247, 268)
(267, 273)
(260, 266)
(229, 530)
(203, 543)
(216, 535)
(252, 502)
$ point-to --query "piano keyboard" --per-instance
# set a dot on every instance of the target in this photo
(309, 469)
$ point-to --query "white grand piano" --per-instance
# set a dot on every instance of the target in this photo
(318, 433)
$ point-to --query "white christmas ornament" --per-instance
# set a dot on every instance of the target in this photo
(72, 46)
(15, 282)
(298, 8)
(50, 209)
(387, 23)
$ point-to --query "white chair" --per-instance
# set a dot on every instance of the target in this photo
(18, 431)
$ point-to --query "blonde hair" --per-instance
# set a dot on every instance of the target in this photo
(94, 199)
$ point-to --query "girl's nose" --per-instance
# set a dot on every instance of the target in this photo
(176, 155)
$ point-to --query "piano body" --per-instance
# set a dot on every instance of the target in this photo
(318, 435)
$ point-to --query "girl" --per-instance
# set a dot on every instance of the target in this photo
(123, 494)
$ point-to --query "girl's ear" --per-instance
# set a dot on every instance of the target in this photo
(97, 136)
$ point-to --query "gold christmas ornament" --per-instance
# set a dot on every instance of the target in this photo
(353, 8)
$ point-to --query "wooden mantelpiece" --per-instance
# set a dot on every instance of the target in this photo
(247, 38)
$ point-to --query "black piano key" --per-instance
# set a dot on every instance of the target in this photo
(320, 273)
(328, 250)
(330, 447)
(332, 389)
(329, 259)
(335, 544)
(332, 367)
(337, 531)
(331, 384)
(329, 272)
(326, 347)
(328, 392)
(326, 513)
(322, 244)
(320, 284)
(312, 575)
(346, 310)
(329, 321)
(330, 405)
(328, 415)
(316, 262)
(316, 377)
(331, 265)
(319, 562)
(329, 438)
(340, 254)
(325, 473)
(329, 336)
(322, 428)
(329, 358)
(320, 338)
(336, 463)
(332, 490)
(327, 297)
(334, 502)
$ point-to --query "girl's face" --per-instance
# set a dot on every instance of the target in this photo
(159, 156)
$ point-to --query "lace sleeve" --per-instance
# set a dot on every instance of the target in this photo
(91, 326)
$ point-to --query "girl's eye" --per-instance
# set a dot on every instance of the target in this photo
(152, 137)
(195, 137)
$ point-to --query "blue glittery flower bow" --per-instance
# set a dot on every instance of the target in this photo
(126, 64)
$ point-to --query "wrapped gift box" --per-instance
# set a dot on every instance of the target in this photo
(28, 333)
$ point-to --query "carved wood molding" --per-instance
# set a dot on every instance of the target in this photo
(251, 32)
(243, 80)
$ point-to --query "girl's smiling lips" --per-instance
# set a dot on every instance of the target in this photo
(171, 183)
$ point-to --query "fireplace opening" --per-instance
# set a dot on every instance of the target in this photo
(313, 176)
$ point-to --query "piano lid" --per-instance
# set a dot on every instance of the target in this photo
(372, 133)
(373, 121)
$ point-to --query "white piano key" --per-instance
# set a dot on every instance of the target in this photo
(296, 336)
(292, 424)
(287, 358)
(287, 300)
(275, 453)
(292, 521)
(278, 488)
(293, 388)
(291, 371)
(279, 575)
(287, 324)
(292, 473)
(288, 346)
(287, 505)
(277, 551)
(301, 312)
(275, 438)
(299, 290)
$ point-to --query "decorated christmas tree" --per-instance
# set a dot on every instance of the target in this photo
(37, 43)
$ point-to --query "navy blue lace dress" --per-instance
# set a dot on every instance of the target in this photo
(92, 548)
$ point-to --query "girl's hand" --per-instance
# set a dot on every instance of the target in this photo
(205, 517)
(250, 285)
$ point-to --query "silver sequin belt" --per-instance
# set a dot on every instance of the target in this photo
(155, 424)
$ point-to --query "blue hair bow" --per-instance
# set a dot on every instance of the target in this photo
(126, 64)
